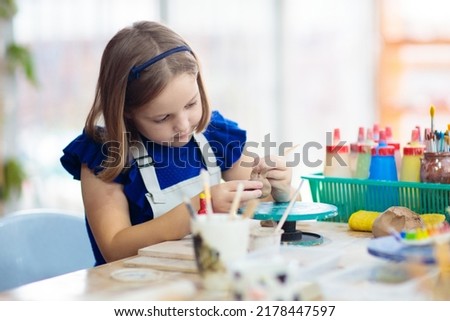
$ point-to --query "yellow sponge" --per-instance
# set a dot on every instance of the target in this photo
(432, 218)
(362, 220)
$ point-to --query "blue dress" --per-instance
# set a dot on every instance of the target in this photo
(172, 164)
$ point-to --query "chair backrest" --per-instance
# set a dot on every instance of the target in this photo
(39, 244)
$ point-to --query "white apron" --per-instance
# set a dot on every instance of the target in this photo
(162, 201)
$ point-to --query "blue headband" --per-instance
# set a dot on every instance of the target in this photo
(135, 72)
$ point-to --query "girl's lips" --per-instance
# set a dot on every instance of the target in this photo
(184, 137)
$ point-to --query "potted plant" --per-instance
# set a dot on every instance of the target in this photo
(13, 57)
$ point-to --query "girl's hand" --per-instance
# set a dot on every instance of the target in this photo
(278, 174)
(222, 194)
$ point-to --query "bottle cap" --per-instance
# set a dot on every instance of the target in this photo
(337, 147)
(376, 132)
(415, 135)
(383, 149)
(369, 135)
(419, 137)
(336, 136)
(388, 131)
(361, 135)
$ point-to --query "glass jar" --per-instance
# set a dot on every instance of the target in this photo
(435, 168)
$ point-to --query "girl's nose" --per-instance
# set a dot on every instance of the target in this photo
(182, 123)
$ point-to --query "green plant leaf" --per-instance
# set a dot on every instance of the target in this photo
(20, 57)
(13, 177)
(8, 9)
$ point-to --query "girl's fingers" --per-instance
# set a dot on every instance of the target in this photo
(277, 174)
(250, 194)
(248, 185)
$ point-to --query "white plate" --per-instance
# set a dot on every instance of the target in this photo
(135, 274)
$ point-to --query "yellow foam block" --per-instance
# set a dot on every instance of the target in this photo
(432, 218)
(362, 220)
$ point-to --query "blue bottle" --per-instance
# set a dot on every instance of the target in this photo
(383, 168)
(382, 164)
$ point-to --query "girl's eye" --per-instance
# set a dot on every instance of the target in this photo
(190, 105)
(162, 119)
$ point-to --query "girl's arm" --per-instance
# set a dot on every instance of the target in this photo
(107, 212)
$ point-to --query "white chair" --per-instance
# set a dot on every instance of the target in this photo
(40, 243)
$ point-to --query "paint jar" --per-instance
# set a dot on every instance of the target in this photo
(265, 237)
(435, 167)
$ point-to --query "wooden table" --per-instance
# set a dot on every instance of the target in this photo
(97, 283)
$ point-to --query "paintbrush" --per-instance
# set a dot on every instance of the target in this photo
(236, 200)
(289, 208)
(250, 209)
(290, 150)
(189, 206)
(432, 119)
(205, 177)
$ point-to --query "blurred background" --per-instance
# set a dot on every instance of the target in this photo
(286, 70)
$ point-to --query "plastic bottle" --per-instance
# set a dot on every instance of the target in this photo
(203, 207)
(337, 162)
(364, 156)
(382, 168)
(382, 162)
(376, 133)
(412, 156)
(354, 151)
(397, 153)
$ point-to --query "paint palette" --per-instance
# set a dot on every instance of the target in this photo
(425, 236)
(427, 241)
(389, 247)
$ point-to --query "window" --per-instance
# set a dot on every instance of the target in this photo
(293, 69)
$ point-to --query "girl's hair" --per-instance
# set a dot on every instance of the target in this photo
(117, 96)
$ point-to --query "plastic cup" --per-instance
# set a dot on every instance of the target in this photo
(266, 277)
(264, 237)
(219, 240)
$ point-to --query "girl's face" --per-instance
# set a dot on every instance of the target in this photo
(171, 118)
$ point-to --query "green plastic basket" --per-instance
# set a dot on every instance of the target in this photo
(350, 195)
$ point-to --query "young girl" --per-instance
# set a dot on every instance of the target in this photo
(147, 137)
